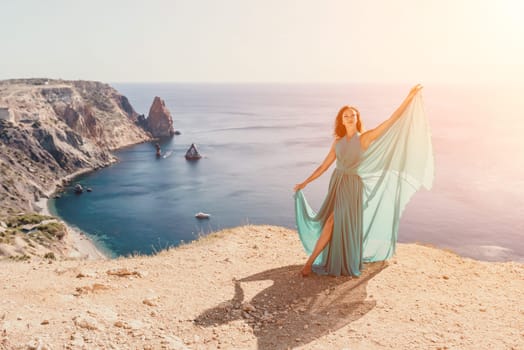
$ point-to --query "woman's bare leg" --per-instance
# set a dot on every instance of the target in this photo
(323, 240)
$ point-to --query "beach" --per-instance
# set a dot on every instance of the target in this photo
(78, 244)
(240, 289)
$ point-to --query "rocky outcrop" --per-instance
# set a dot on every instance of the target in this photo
(159, 122)
(56, 128)
(192, 153)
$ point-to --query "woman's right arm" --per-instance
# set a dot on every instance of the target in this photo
(371, 135)
(330, 158)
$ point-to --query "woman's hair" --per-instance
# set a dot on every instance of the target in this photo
(340, 129)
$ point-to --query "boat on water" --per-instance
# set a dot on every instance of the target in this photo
(201, 215)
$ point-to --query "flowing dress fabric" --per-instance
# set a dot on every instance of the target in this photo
(367, 193)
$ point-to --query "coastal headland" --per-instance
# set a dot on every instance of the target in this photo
(50, 132)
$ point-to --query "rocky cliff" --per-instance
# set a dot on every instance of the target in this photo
(54, 128)
(159, 122)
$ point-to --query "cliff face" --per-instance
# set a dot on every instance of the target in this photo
(159, 122)
(57, 128)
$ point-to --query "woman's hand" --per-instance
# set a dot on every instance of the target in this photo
(299, 186)
(415, 89)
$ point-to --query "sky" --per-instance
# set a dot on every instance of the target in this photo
(386, 41)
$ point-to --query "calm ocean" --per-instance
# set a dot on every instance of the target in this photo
(259, 140)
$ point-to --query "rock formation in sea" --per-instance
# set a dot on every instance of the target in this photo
(50, 129)
(159, 122)
(192, 153)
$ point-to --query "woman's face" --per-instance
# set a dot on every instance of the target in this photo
(349, 118)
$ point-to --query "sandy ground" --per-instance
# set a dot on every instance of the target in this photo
(240, 289)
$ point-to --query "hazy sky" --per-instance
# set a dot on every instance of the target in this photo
(264, 41)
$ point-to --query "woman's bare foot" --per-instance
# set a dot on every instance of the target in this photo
(306, 270)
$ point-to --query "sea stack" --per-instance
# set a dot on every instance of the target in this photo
(192, 153)
(159, 121)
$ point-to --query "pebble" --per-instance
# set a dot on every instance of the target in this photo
(248, 307)
(149, 302)
(87, 322)
(78, 342)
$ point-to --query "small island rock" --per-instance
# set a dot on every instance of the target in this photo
(192, 153)
(78, 189)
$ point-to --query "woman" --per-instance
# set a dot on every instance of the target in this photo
(376, 173)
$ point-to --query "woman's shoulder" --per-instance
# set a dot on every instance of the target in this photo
(365, 133)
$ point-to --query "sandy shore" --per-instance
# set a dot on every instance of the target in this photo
(81, 246)
(240, 289)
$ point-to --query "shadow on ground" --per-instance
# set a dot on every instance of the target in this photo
(294, 310)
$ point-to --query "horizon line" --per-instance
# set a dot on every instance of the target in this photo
(262, 82)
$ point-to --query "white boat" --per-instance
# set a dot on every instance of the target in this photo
(201, 215)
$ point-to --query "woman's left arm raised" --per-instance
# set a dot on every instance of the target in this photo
(371, 135)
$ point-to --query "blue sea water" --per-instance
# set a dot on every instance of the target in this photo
(259, 140)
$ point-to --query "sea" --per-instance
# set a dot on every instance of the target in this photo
(258, 140)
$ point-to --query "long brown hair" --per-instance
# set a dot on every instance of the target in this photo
(340, 129)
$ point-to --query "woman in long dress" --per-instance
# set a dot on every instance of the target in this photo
(376, 174)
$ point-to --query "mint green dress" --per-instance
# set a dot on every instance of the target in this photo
(367, 193)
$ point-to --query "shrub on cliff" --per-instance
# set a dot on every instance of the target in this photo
(55, 229)
(26, 219)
